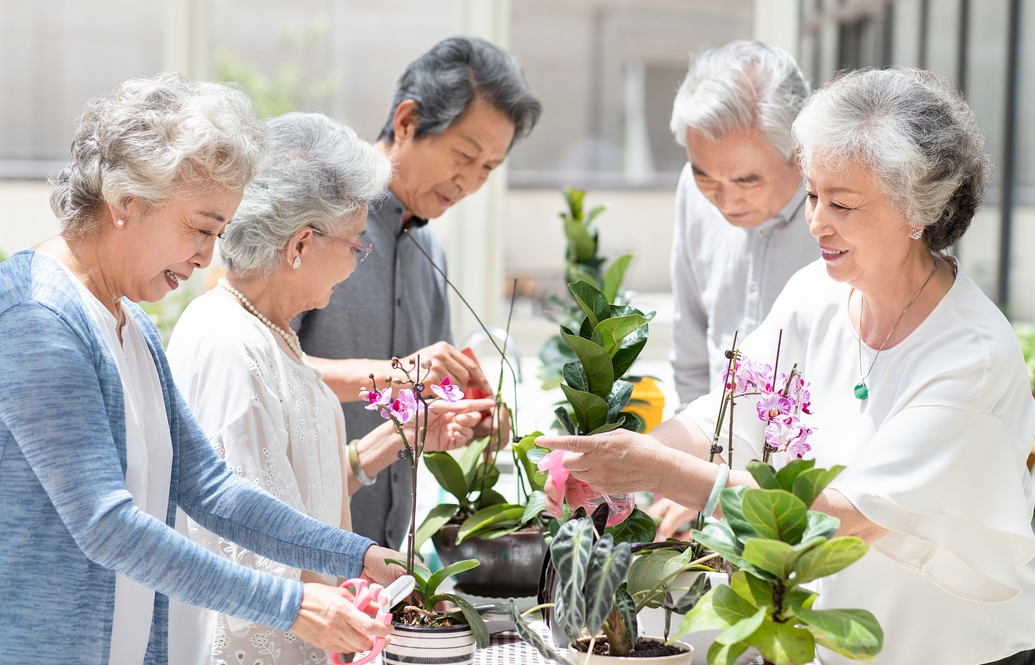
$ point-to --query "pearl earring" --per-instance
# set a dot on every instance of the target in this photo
(297, 263)
(915, 235)
(120, 222)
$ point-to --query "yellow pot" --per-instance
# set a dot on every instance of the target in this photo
(648, 402)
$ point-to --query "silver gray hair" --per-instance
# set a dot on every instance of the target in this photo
(742, 85)
(915, 132)
(150, 138)
(319, 174)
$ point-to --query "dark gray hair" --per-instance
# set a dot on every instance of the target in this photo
(150, 138)
(446, 80)
(915, 132)
(318, 174)
(741, 85)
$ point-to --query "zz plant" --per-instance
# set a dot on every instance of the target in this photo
(777, 545)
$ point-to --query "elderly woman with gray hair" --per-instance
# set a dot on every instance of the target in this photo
(933, 422)
(266, 410)
(98, 447)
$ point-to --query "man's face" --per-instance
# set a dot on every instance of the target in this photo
(742, 175)
(434, 172)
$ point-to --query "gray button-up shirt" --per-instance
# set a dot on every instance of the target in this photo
(392, 305)
(725, 279)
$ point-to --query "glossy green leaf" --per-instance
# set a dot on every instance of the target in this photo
(485, 476)
(487, 517)
(564, 418)
(742, 629)
(731, 500)
(693, 595)
(798, 597)
(775, 514)
(621, 391)
(702, 617)
(820, 525)
(532, 637)
(610, 333)
(581, 245)
(811, 482)
(591, 215)
(535, 505)
(418, 573)
(773, 556)
(592, 301)
(606, 427)
(499, 530)
(629, 351)
(615, 275)
(574, 198)
(719, 538)
(764, 475)
(608, 566)
(784, 643)
(575, 376)
(448, 474)
(489, 497)
(725, 654)
(829, 558)
(851, 633)
(473, 619)
(570, 552)
(752, 588)
(626, 607)
(652, 569)
(590, 410)
(639, 527)
(472, 454)
(595, 363)
(437, 518)
(576, 273)
(440, 576)
(529, 455)
(731, 607)
(788, 474)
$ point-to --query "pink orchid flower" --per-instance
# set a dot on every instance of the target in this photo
(561, 487)
(773, 405)
(378, 399)
(447, 391)
(403, 408)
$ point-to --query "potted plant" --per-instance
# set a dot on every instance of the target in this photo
(597, 599)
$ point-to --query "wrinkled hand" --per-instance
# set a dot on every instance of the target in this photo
(613, 463)
(375, 568)
(447, 360)
(673, 517)
(452, 425)
(487, 427)
(328, 620)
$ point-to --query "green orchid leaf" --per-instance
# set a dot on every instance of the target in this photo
(633, 422)
(626, 607)
(621, 392)
(753, 589)
(418, 573)
(775, 514)
(570, 552)
(595, 363)
(448, 474)
(535, 505)
(473, 619)
(811, 482)
(773, 556)
(488, 517)
(689, 600)
(530, 636)
(608, 566)
(610, 333)
(436, 579)
(606, 427)
(575, 376)
(485, 476)
(564, 418)
(592, 301)
(829, 558)
(469, 459)
(489, 497)
(820, 525)
(764, 475)
(851, 633)
(499, 530)
(742, 629)
(627, 353)
(725, 654)
(638, 527)
(591, 215)
(615, 275)
(784, 643)
(438, 517)
(590, 410)
(581, 244)
(788, 474)
(731, 500)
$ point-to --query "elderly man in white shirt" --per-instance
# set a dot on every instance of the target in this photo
(740, 229)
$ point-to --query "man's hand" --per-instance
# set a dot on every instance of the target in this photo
(447, 360)
(673, 518)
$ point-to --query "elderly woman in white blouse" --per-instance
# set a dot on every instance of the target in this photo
(266, 410)
(917, 383)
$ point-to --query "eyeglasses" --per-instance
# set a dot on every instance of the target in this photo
(361, 252)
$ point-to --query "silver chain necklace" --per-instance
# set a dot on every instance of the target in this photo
(292, 341)
(861, 390)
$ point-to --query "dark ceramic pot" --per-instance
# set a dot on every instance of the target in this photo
(510, 564)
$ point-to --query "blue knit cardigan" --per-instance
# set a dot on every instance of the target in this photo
(67, 522)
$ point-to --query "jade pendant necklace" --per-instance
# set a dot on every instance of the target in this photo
(861, 391)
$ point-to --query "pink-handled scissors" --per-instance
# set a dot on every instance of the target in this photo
(386, 597)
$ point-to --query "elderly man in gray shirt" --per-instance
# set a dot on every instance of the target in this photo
(740, 229)
(455, 114)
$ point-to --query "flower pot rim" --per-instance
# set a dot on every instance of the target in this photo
(458, 628)
(687, 648)
(527, 529)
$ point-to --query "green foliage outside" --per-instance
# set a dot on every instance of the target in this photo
(1026, 337)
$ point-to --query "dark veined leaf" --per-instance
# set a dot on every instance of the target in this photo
(437, 518)
(633, 422)
(639, 527)
(608, 566)
(592, 301)
(487, 517)
(595, 363)
(448, 474)
(725, 654)
(570, 551)
(575, 376)
(788, 474)
(829, 558)
(581, 244)
(536, 504)
(532, 637)
(452, 569)
(775, 514)
(764, 475)
(615, 275)
(626, 611)
(485, 476)
(621, 391)
(590, 410)
(851, 633)
(773, 556)
(473, 619)
(811, 482)
(610, 333)
(689, 600)
(731, 500)
(629, 351)
(742, 629)
(472, 454)
(564, 418)
(784, 643)
(752, 588)
(606, 427)
(820, 525)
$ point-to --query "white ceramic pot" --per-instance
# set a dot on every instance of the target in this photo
(452, 645)
(652, 619)
(686, 658)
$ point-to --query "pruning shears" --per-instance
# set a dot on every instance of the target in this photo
(386, 597)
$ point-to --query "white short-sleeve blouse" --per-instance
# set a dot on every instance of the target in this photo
(936, 455)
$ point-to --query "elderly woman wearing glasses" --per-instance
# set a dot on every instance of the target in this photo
(266, 410)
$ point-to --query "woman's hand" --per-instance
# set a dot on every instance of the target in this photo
(614, 463)
(328, 620)
(452, 425)
(376, 567)
(673, 517)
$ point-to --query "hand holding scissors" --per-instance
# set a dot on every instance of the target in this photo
(386, 598)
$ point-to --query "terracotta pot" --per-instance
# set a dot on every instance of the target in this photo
(686, 658)
(452, 645)
(510, 564)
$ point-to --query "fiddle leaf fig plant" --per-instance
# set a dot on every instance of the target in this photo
(777, 545)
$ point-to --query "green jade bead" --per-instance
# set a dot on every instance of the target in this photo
(861, 391)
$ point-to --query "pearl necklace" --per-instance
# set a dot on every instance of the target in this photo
(290, 339)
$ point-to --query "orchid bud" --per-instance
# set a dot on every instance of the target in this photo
(426, 364)
(388, 380)
(412, 362)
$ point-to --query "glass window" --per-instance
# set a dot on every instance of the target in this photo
(943, 31)
(905, 33)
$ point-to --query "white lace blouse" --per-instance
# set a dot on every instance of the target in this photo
(276, 423)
